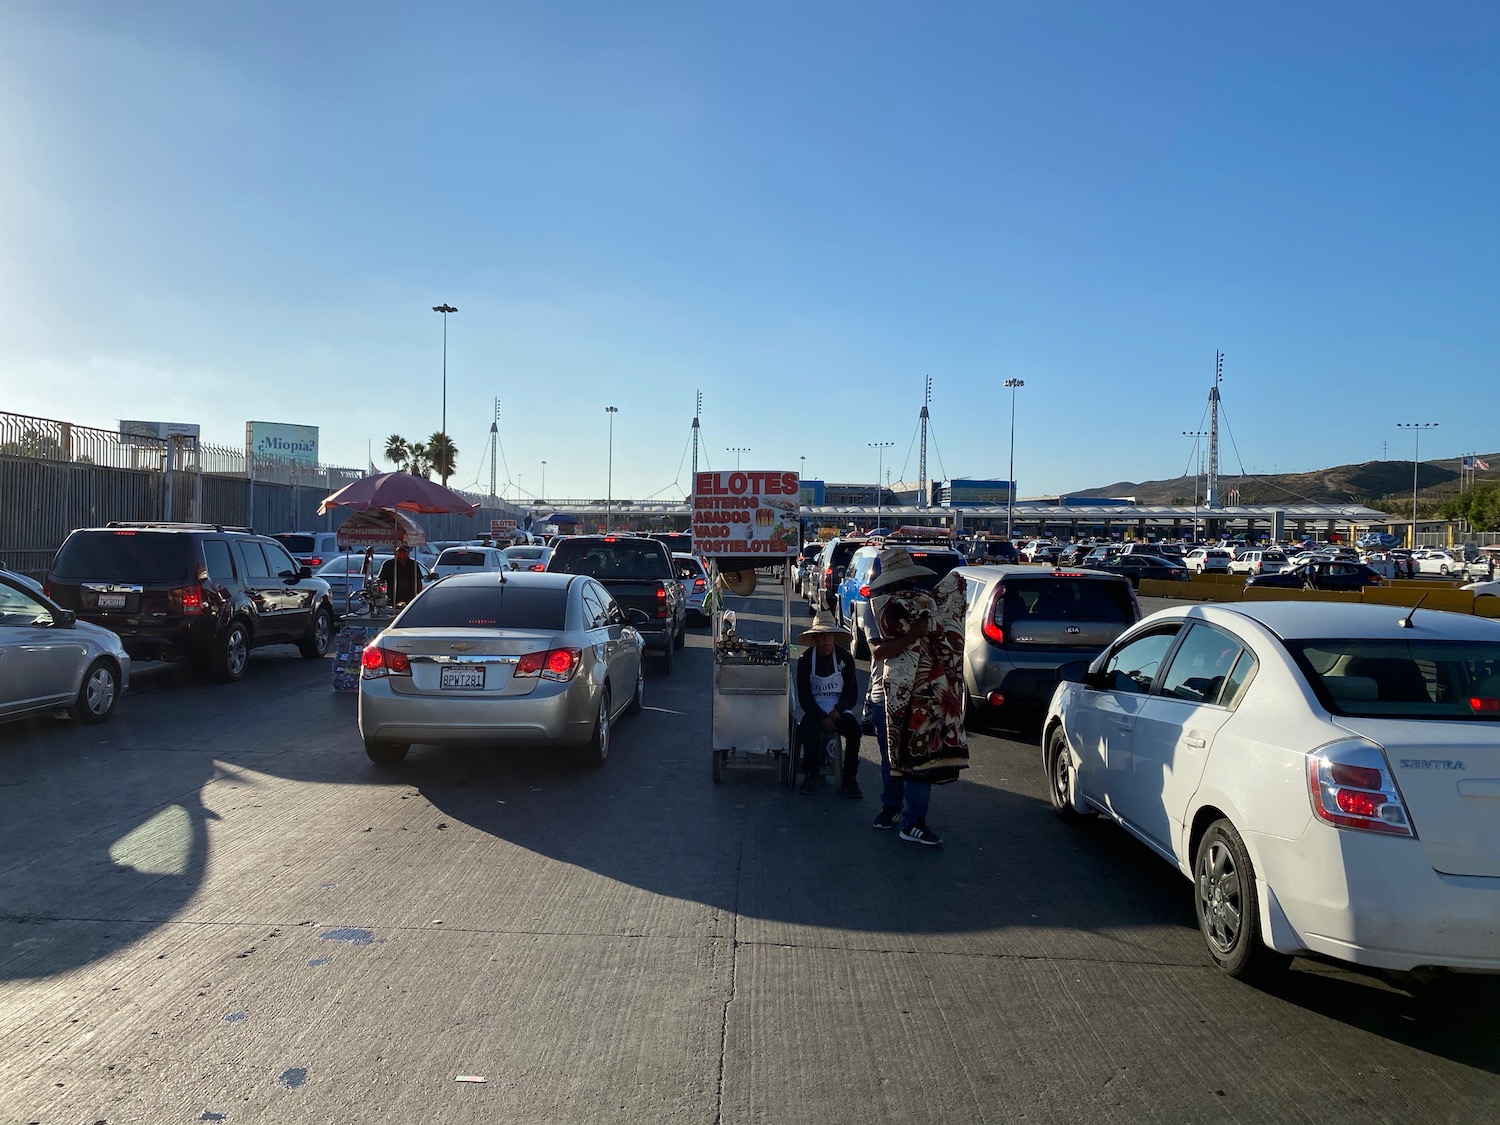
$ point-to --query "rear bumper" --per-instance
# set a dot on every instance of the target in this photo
(557, 714)
(1377, 902)
(149, 640)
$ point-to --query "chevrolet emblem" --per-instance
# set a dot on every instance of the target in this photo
(461, 647)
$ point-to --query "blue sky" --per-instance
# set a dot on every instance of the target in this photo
(215, 212)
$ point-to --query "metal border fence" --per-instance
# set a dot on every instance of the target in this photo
(56, 476)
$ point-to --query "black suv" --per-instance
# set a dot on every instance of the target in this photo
(828, 571)
(192, 591)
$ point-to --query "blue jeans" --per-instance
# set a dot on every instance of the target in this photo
(910, 797)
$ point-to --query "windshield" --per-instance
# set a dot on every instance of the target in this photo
(346, 563)
(1404, 679)
(296, 544)
(1064, 599)
(497, 606)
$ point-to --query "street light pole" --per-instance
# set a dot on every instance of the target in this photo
(882, 446)
(1010, 492)
(609, 488)
(1416, 429)
(445, 309)
(542, 499)
(736, 450)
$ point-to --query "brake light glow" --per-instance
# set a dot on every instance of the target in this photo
(1351, 786)
(187, 600)
(375, 662)
(314, 562)
(699, 584)
(537, 566)
(864, 591)
(557, 664)
(661, 601)
(1067, 574)
(1482, 705)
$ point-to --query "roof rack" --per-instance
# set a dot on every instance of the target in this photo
(179, 526)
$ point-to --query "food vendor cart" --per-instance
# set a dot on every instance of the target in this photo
(743, 521)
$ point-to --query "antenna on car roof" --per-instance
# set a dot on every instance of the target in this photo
(1405, 622)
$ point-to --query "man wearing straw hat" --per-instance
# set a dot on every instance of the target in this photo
(827, 691)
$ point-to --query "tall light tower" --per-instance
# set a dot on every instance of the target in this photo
(1416, 429)
(445, 309)
(542, 499)
(609, 487)
(697, 410)
(882, 446)
(736, 450)
(1010, 492)
(494, 445)
(1213, 431)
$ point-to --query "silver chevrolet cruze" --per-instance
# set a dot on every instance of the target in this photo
(52, 662)
(503, 658)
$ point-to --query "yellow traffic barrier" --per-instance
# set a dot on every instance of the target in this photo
(1487, 606)
(1447, 598)
(1293, 594)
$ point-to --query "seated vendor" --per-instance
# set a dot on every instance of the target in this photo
(827, 692)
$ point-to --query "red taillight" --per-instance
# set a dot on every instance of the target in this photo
(537, 566)
(47, 588)
(315, 562)
(992, 631)
(996, 699)
(553, 664)
(699, 583)
(375, 662)
(1482, 705)
(661, 601)
(864, 591)
(188, 600)
(1351, 787)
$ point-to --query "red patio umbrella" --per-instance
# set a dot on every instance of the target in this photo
(397, 490)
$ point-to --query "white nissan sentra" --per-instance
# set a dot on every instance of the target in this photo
(502, 658)
(1327, 775)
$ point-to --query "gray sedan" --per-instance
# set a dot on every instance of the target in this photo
(502, 659)
(51, 662)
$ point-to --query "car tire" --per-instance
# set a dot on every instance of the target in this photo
(667, 658)
(1227, 903)
(319, 638)
(861, 645)
(637, 702)
(1443, 570)
(97, 694)
(1060, 776)
(719, 758)
(386, 753)
(680, 640)
(232, 653)
(596, 750)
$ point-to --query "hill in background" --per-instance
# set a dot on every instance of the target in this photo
(1385, 485)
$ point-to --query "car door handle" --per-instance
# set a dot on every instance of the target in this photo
(1122, 724)
(1195, 742)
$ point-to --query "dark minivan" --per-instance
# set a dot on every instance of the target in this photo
(198, 592)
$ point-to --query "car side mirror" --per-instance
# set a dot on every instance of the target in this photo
(1073, 672)
(1095, 681)
(304, 573)
(67, 619)
(290, 576)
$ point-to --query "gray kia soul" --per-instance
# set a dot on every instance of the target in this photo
(1024, 623)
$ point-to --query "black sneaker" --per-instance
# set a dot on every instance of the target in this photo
(809, 785)
(886, 818)
(851, 790)
(919, 833)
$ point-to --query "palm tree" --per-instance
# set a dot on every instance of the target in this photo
(417, 463)
(442, 455)
(397, 451)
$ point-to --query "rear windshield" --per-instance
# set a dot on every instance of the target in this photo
(1404, 679)
(508, 606)
(524, 552)
(461, 558)
(939, 562)
(297, 544)
(125, 556)
(623, 558)
(1064, 599)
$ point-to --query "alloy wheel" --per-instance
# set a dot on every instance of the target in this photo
(1220, 898)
